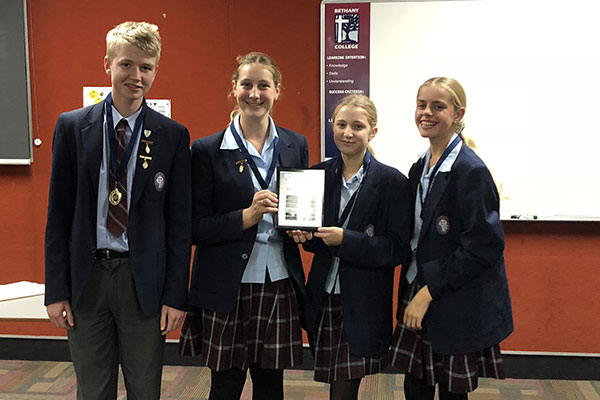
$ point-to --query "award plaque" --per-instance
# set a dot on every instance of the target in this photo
(301, 197)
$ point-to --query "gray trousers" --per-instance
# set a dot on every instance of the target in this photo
(110, 328)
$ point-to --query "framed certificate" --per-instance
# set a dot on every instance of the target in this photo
(301, 197)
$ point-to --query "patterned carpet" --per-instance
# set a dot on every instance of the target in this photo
(37, 380)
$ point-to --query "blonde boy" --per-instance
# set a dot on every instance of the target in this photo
(118, 230)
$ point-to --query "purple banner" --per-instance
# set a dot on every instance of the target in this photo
(346, 58)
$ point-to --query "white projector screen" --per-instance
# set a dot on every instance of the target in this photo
(530, 70)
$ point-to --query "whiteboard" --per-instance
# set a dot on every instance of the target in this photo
(529, 69)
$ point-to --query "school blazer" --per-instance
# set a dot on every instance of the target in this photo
(159, 228)
(375, 242)
(460, 258)
(220, 193)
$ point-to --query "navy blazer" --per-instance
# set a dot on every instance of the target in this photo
(159, 228)
(220, 193)
(460, 258)
(375, 242)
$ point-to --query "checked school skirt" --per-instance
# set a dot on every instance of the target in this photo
(333, 360)
(264, 328)
(412, 353)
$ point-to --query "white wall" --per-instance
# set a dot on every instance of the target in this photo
(531, 73)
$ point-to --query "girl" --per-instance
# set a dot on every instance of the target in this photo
(454, 306)
(246, 277)
(348, 313)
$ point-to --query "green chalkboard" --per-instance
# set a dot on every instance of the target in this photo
(15, 114)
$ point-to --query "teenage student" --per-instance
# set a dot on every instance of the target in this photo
(247, 276)
(454, 305)
(348, 313)
(118, 231)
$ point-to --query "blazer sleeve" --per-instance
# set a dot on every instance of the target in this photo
(481, 241)
(178, 226)
(61, 203)
(208, 227)
(304, 156)
(387, 249)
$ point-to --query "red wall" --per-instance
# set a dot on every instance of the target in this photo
(551, 266)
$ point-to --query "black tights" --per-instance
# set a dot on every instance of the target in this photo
(267, 384)
(344, 389)
(417, 389)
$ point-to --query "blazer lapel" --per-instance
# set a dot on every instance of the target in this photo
(92, 136)
(365, 197)
(141, 174)
(232, 159)
(287, 153)
(437, 190)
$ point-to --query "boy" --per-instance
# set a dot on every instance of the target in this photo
(118, 231)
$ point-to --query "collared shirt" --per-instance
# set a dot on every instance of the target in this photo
(348, 189)
(267, 253)
(424, 183)
(105, 239)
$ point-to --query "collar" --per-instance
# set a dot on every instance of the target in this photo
(355, 179)
(448, 162)
(229, 143)
(130, 120)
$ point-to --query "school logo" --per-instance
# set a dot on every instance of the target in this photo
(346, 28)
(370, 230)
(443, 225)
(159, 181)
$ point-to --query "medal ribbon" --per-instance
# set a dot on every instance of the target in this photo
(263, 183)
(437, 165)
(119, 166)
(339, 221)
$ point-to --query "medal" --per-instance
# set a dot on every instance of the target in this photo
(147, 143)
(147, 132)
(241, 165)
(115, 196)
(145, 158)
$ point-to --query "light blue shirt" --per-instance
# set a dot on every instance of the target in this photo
(424, 183)
(105, 239)
(348, 189)
(267, 253)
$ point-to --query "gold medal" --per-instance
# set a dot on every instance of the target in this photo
(115, 196)
(241, 165)
(147, 143)
(145, 158)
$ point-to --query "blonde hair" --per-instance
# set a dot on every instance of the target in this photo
(254, 57)
(457, 94)
(360, 101)
(142, 35)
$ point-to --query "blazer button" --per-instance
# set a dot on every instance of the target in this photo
(244, 256)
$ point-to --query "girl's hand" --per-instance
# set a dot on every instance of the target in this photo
(263, 202)
(416, 309)
(331, 235)
(300, 236)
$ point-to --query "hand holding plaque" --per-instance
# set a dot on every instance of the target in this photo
(301, 197)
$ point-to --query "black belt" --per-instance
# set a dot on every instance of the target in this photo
(107, 254)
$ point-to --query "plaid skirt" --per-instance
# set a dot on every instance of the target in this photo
(333, 360)
(264, 328)
(412, 353)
